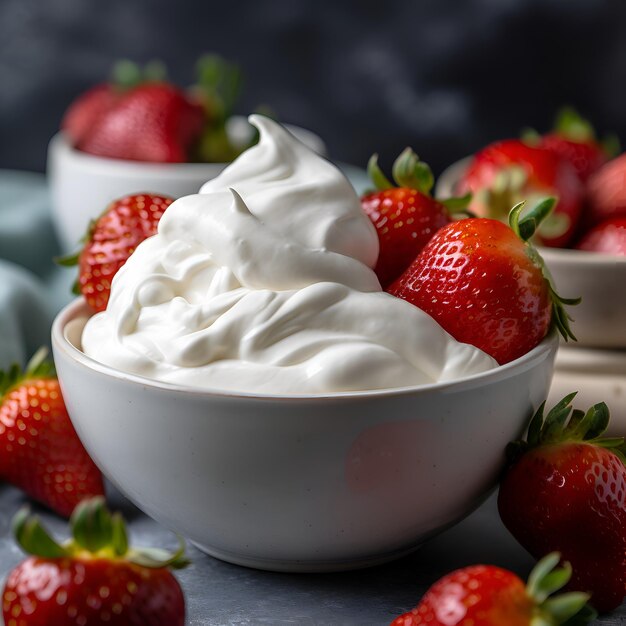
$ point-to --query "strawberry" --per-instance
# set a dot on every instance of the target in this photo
(92, 579)
(486, 595)
(405, 216)
(508, 171)
(86, 109)
(574, 140)
(111, 239)
(39, 450)
(486, 285)
(565, 490)
(606, 192)
(608, 237)
(154, 121)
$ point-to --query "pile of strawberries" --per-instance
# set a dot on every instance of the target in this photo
(569, 163)
(140, 116)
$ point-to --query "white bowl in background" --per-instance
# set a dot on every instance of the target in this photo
(299, 483)
(82, 185)
(599, 279)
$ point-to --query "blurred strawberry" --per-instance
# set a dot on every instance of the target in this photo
(86, 109)
(486, 595)
(405, 216)
(608, 237)
(507, 172)
(574, 140)
(111, 239)
(151, 122)
(606, 192)
(39, 450)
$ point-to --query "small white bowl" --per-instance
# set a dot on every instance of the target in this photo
(299, 483)
(599, 279)
(82, 185)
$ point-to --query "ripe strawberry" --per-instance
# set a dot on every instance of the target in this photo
(485, 595)
(574, 140)
(507, 172)
(82, 114)
(93, 579)
(565, 490)
(406, 216)
(606, 192)
(608, 237)
(486, 285)
(111, 239)
(39, 450)
(154, 121)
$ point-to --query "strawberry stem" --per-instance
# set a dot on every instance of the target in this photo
(94, 531)
(525, 228)
(37, 367)
(543, 581)
(408, 171)
(381, 182)
(562, 424)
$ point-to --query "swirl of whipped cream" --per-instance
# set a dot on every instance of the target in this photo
(262, 283)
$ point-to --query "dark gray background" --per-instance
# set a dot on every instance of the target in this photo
(441, 75)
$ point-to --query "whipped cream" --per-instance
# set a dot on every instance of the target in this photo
(262, 283)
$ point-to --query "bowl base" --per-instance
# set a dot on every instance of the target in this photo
(296, 566)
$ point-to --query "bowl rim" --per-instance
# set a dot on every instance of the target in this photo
(448, 178)
(78, 308)
(60, 145)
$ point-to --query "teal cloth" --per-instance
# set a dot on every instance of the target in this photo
(32, 287)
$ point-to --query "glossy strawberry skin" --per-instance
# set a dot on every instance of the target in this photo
(482, 595)
(113, 238)
(39, 450)
(606, 192)
(405, 220)
(608, 237)
(546, 174)
(586, 157)
(84, 112)
(91, 592)
(571, 497)
(476, 279)
(152, 122)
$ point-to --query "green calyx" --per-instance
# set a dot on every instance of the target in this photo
(38, 367)
(128, 74)
(567, 609)
(573, 127)
(525, 227)
(411, 173)
(564, 424)
(96, 533)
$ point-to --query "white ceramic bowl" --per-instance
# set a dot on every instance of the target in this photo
(82, 185)
(320, 483)
(599, 279)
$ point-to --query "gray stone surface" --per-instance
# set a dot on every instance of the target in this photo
(220, 594)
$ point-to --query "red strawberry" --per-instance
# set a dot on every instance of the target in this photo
(111, 239)
(39, 450)
(406, 216)
(606, 191)
(486, 285)
(573, 139)
(565, 490)
(86, 109)
(485, 595)
(93, 579)
(155, 121)
(509, 171)
(608, 237)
